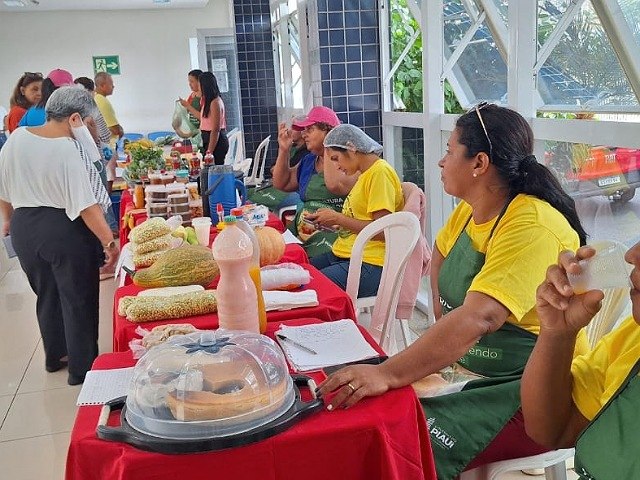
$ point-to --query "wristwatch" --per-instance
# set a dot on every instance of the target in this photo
(110, 245)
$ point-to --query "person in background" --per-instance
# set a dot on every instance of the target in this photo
(53, 203)
(319, 183)
(213, 121)
(103, 88)
(592, 401)
(102, 136)
(376, 193)
(35, 115)
(195, 96)
(512, 222)
(298, 149)
(27, 93)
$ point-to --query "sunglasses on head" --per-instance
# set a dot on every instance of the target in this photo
(477, 109)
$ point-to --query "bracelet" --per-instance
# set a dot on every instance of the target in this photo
(110, 245)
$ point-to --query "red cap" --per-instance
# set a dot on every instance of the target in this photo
(317, 115)
(237, 212)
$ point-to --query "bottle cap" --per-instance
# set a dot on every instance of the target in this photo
(230, 219)
(237, 212)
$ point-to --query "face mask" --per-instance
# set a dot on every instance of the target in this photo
(83, 136)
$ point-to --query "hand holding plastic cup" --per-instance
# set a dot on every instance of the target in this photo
(606, 269)
(202, 226)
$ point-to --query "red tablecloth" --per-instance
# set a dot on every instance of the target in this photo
(126, 205)
(334, 304)
(384, 437)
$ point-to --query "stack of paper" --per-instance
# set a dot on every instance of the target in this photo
(276, 300)
(334, 343)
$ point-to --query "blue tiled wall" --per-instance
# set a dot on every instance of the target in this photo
(350, 61)
(257, 76)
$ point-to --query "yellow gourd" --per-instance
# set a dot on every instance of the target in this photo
(271, 245)
(186, 265)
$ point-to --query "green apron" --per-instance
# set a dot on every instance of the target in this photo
(270, 197)
(608, 449)
(316, 242)
(462, 424)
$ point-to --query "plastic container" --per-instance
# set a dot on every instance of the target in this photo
(155, 193)
(254, 270)
(180, 208)
(138, 195)
(155, 179)
(606, 269)
(157, 208)
(202, 226)
(209, 384)
(178, 198)
(236, 292)
(176, 188)
(182, 176)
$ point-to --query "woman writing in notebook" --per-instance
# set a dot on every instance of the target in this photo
(512, 222)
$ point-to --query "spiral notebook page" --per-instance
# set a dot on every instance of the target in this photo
(334, 343)
(101, 386)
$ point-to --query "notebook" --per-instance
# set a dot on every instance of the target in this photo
(101, 386)
(334, 343)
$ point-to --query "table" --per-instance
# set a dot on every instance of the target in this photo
(126, 206)
(333, 304)
(385, 437)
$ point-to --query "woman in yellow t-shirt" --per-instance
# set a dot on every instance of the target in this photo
(376, 193)
(512, 222)
(592, 401)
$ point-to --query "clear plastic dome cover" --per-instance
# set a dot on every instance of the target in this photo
(209, 384)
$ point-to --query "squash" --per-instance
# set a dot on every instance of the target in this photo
(186, 265)
(271, 245)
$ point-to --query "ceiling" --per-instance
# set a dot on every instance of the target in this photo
(48, 5)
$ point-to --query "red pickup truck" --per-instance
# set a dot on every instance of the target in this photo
(607, 171)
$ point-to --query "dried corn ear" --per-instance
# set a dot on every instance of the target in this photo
(160, 243)
(142, 260)
(149, 309)
(123, 304)
(149, 229)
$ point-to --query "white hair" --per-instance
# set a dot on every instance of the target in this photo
(66, 101)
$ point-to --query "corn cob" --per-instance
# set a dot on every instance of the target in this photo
(148, 309)
(149, 229)
(159, 243)
(123, 304)
(143, 260)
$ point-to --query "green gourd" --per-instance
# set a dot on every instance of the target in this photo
(186, 265)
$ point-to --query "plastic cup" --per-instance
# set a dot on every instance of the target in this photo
(606, 269)
(202, 226)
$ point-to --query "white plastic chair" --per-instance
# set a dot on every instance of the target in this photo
(365, 305)
(553, 463)
(232, 136)
(401, 234)
(256, 177)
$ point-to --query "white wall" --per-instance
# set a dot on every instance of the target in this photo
(153, 47)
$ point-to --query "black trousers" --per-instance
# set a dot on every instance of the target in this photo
(222, 147)
(61, 259)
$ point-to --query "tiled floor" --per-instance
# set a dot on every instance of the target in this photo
(37, 409)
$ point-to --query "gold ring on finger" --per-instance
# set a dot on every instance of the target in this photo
(353, 389)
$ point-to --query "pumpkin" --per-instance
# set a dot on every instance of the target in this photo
(186, 265)
(271, 245)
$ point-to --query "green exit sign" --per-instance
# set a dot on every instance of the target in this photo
(108, 64)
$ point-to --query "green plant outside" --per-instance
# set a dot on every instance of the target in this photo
(407, 81)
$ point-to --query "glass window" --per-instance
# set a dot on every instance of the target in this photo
(582, 70)
(480, 70)
(631, 11)
(407, 79)
(603, 181)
